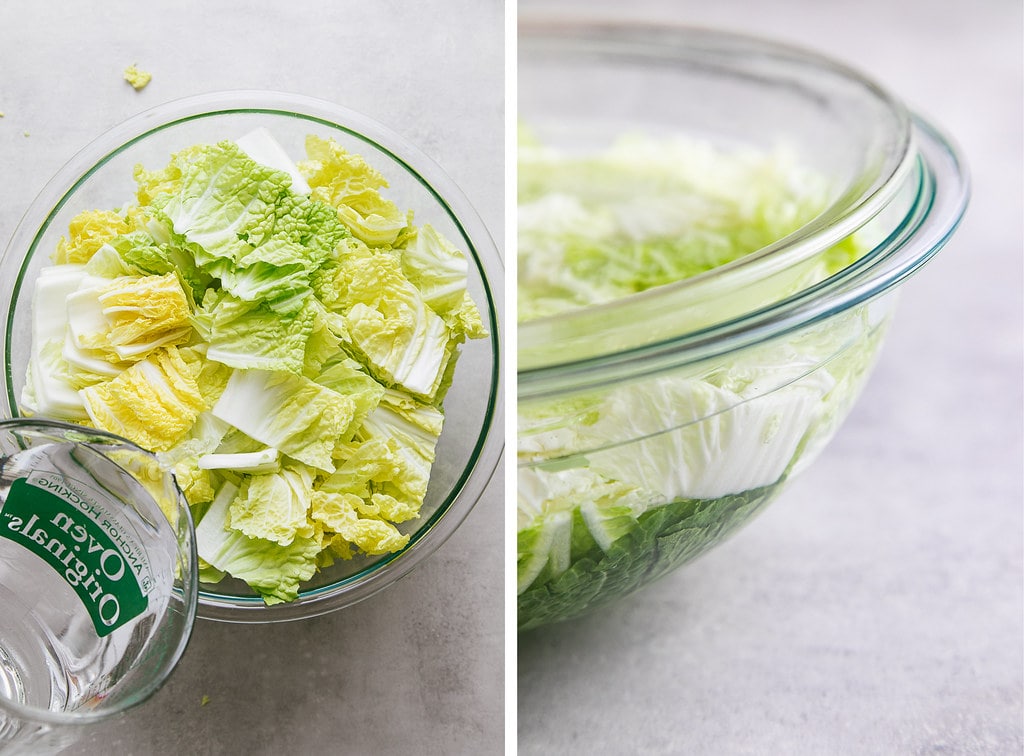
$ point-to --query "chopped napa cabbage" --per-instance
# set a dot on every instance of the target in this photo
(197, 485)
(347, 182)
(153, 403)
(276, 272)
(129, 317)
(262, 148)
(688, 435)
(210, 376)
(404, 343)
(203, 438)
(618, 484)
(387, 507)
(465, 320)
(87, 232)
(140, 252)
(259, 333)
(263, 461)
(340, 513)
(273, 505)
(345, 376)
(368, 462)
(647, 212)
(247, 335)
(163, 182)
(437, 268)
(272, 570)
(546, 548)
(248, 229)
(107, 263)
(387, 465)
(85, 367)
(48, 387)
(300, 220)
(415, 413)
(388, 324)
(283, 251)
(288, 412)
(410, 433)
(222, 195)
(137, 77)
(324, 343)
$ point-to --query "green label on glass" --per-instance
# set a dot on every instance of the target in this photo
(61, 521)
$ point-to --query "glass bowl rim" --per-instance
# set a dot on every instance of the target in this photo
(489, 447)
(926, 158)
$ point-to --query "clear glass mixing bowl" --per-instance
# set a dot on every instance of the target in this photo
(652, 426)
(100, 176)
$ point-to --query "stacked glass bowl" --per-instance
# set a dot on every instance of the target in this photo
(652, 425)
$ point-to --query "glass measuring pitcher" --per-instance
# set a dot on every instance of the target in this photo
(97, 580)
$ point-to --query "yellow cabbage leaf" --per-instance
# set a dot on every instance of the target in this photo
(338, 512)
(87, 232)
(130, 317)
(347, 182)
(153, 403)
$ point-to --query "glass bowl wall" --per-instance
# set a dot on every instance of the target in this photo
(651, 427)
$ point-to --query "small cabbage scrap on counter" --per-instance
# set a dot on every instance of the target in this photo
(279, 333)
(618, 484)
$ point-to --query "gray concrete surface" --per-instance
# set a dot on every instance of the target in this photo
(419, 667)
(876, 608)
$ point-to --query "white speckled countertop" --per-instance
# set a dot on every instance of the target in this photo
(876, 607)
(419, 667)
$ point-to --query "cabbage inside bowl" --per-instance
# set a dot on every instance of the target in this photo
(339, 304)
(711, 231)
